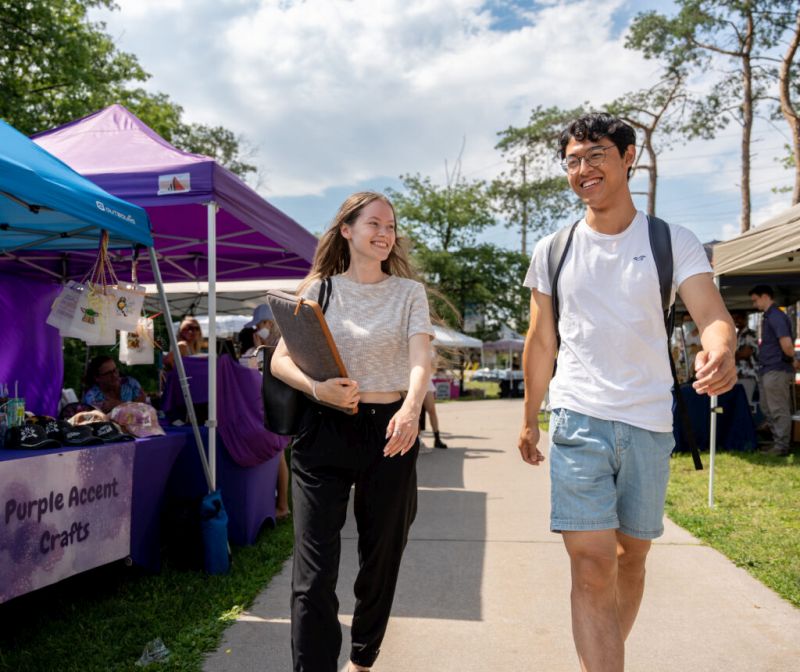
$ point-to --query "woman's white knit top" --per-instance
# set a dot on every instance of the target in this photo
(372, 324)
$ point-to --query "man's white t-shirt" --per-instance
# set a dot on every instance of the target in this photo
(612, 363)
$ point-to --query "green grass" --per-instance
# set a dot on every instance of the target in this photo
(101, 620)
(491, 390)
(756, 519)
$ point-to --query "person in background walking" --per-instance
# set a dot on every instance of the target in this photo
(775, 370)
(429, 407)
(379, 318)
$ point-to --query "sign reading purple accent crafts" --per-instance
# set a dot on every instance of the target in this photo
(177, 183)
(63, 513)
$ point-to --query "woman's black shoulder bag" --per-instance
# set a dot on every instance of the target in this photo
(283, 404)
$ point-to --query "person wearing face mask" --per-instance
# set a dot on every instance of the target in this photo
(265, 334)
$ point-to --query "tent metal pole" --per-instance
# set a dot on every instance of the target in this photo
(712, 437)
(212, 341)
(184, 382)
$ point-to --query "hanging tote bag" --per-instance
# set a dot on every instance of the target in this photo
(126, 301)
(81, 311)
(138, 346)
(84, 310)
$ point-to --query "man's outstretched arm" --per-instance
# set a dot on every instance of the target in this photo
(538, 358)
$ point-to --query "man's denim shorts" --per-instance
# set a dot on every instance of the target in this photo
(607, 475)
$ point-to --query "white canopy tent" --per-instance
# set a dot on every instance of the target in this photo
(233, 297)
(766, 254)
(449, 338)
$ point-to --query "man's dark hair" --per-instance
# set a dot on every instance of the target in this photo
(594, 126)
(760, 290)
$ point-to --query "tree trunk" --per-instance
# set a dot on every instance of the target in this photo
(787, 108)
(796, 141)
(652, 174)
(747, 121)
(524, 210)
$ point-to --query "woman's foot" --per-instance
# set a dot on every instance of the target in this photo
(356, 668)
(281, 514)
(437, 442)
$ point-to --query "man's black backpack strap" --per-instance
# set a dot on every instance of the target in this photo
(556, 255)
(661, 247)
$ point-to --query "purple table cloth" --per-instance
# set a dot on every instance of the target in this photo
(197, 374)
(240, 411)
(248, 493)
(31, 349)
(153, 461)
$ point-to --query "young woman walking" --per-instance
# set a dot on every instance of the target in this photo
(379, 318)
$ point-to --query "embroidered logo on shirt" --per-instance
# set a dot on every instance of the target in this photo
(640, 257)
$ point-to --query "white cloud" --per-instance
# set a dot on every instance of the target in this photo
(333, 94)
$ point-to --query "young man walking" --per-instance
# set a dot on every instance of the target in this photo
(611, 426)
(775, 370)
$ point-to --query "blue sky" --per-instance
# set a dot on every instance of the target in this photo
(338, 96)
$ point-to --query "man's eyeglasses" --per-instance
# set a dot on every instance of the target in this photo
(110, 372)
(594, 157)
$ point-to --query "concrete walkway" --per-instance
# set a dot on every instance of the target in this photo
(485, 585)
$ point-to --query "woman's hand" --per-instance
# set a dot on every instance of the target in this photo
(341, 392)
(401, 431)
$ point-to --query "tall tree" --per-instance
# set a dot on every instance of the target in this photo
(56, 65)
(787, 81)
(533, 195)
(444, 222)
(742, 31)
(663, 113)
(446, 217)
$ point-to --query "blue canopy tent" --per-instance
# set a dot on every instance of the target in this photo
(46, 205)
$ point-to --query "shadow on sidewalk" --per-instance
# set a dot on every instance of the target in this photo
(443, 564)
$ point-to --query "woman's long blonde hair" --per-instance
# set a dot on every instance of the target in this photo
(197, 345)
(333, 254)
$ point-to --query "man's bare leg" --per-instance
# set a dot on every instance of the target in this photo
(595, 622)
(631, 556)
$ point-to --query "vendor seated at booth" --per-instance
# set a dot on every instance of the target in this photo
(106, 388)
(190, 341)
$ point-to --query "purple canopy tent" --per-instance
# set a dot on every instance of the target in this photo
(186, 196)
(45, 206)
